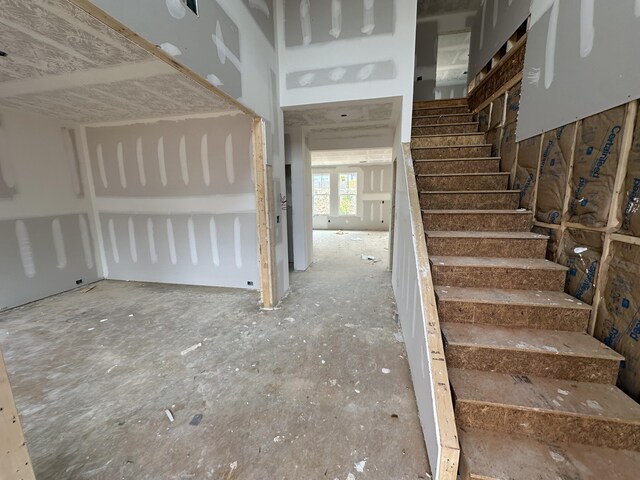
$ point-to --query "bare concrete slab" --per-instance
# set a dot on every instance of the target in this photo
(297, 393)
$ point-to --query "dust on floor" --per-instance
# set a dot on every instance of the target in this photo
(318, 389)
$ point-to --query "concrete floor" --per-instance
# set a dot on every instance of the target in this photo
(305, 392)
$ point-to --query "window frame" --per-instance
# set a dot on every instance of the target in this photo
(355, 195)
(327, 175)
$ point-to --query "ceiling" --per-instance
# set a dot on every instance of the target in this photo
(332, 158)
(427, 8)
(342, 114)
(63, 63)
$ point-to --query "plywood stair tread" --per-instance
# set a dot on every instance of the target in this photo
(544, 342)
(439, 135)
(545, 395)
(415, 117)
(428, 147)
(469, 192)
(453, 160)
(501, 235)
(500, 456)
(493, 262)
(538, 298)
(472, 174)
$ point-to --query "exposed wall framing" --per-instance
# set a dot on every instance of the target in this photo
(588, 213)
(15, 463)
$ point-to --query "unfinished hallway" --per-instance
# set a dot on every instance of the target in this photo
(319, 388)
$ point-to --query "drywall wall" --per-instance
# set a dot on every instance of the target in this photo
(333, 51)
(299, 157)
(427, 31)
(230, 43)
(176, 200)
(494, 23)
(46, 243)
(373, 200)
(576, 62)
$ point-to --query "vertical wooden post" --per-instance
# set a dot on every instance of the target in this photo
(392, 222)
(15, 463)
(263, 214)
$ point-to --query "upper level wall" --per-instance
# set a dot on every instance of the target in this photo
(231, 43)
(578, 62)
(333, 51)
(495, 22)
(45, 237)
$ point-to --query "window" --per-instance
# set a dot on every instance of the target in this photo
(348, 194)
(192, 5)
(321, 191)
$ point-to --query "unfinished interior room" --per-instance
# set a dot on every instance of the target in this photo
(319, 239)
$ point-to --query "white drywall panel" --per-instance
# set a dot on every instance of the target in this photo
(46, 242)
(579, 61)
(367, 53)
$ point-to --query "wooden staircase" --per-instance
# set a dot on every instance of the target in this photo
(534, 394)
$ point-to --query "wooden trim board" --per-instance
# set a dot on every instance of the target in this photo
(15, 463)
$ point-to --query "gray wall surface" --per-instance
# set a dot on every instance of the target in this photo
(578, 64)
(374, 199)
(495, 22)
(46, 242)
(176, 200)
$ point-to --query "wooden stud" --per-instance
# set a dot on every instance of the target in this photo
(263, 213)
(392, 225)
(15, 463)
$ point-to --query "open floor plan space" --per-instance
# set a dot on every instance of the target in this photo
(149, 381)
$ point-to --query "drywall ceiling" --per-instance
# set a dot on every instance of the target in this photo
(428, 8)
(370, 156)
(63, 63)
(343, 114)
(453, 58)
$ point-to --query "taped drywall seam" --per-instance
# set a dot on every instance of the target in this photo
(26, 250)
(495, 13)
(336, 18)
(85, 237)
(176, 9)
(101, 169)
(204, 158)
(153, 254)
(228, 157)
(305, 21)
(184, 167)
(94, 218)
(172, 242)
(260, 5)
(213, 236)
(224, 53)
(133, 247)
(193, 247)
(636, 9)
(368, 24)
(121, 172)
(140, 159)
(112, 238)
(72, 160)
(58, 244)
(587, 28)
(161, 162)
(382, 180)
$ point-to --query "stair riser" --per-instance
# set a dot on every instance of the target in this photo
(487, 247)
(457, 166)
(451, 152)
(423, 112)
(445, 129)
(463, 182)
(516, 316)
(469, 201)
(442, 119)
(549, 426)
(496, 277)
(472, 222)
(534, 363)
(447, 140)
(447, 102)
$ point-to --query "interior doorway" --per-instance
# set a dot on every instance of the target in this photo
(452, 65)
